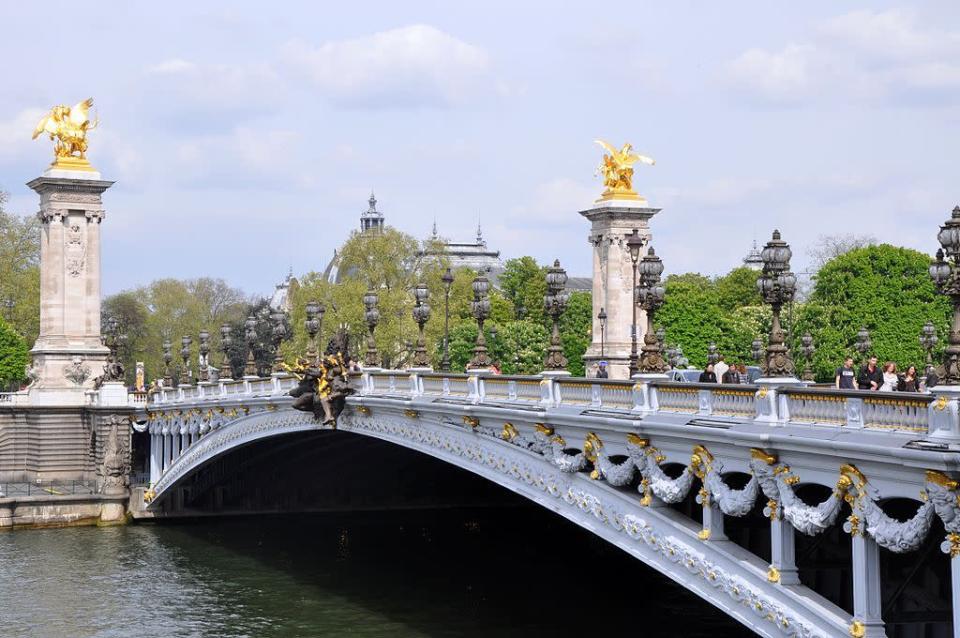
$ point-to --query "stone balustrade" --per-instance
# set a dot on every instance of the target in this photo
(796, 404)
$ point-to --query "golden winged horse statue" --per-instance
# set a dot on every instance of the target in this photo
(617, 171)
(68, 125)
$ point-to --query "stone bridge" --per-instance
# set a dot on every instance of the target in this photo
(659, 469)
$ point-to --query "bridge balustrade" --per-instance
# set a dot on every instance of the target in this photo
(904, 412)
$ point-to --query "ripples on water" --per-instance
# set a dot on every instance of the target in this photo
(456, 573)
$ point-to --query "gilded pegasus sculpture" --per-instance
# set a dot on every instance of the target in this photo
(68, 125)
(617, 171)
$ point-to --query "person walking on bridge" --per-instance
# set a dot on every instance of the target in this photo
(846, 377)
(870, 377)
(732, 375)
(708, 375)
(720, 368)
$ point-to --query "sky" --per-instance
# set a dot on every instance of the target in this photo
(245, 137)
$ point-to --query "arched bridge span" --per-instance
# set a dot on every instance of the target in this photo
(599, 453)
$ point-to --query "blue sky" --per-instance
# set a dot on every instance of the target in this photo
(245, 137)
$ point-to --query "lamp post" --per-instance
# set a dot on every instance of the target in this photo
(946, 275)
(777, 285)
(447, 280)
(481, 310)
(204, 349)
(167, 359)
(650, 294)
(712, 355)
(634, 244)
(226, 340)
(661, 338)
(555, 302)
(312, 325)
(863, 344)
(682, 361)
(250, 336)
(278, 334)
(186, 378)
(372, 358)
(602, 318)
(928, 341)
(807, 349)
(113, 339)
(756, 350)
(421, 314)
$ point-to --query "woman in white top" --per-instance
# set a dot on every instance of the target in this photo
(890, 378)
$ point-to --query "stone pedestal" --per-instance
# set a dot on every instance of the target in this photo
(68, 354)
(611, 222)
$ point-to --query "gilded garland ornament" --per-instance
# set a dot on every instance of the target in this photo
(68, 127)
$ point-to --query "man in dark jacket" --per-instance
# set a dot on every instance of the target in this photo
(870, 377)
(602, 371)
(731, 375)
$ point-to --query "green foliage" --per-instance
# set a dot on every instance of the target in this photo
(738, 288)
(885, 288)
(524, 284)
(20, 271)
(575, 331)
(14, 356)
(174, 308)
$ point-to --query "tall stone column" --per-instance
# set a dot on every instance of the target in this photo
(611, 222)
(68, 354)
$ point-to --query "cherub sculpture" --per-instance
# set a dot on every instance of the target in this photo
(324, 385)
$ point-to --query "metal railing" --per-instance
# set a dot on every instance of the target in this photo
(47, 488)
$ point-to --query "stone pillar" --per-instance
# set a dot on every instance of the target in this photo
(155, 461)
(783, 562)
(611, 222)
(866, 585)
(68, 354)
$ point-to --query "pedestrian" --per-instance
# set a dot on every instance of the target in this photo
(870, 377)
(602, 372)
(846, 378)
(732, 375)
(932, 378)
(708, 375)
(910, 381)
(720, 368)
(744, 377)
(495, 368)
(891, 380)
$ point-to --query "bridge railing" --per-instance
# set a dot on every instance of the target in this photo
(796, 403)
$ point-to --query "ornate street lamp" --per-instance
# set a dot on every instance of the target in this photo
(186, 378)
(777, 285)
(278, 334)
(928, 340)
(167, 359)
(226, 340)
(634, 244)
(113, 339)
(312, 325)
(807, 349)
(650, 294)
(602, 318)
(250, 336)
(946, 275)
(712, 355)
(204, 352)
(661, 338)
(372, 358)
(863, 344)
(421, 314)
(756, 350)
(554, 303)
(481, 311)
(682, 361)
(447, 280)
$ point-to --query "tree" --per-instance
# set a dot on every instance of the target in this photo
(13, 356)
(885, 288)
(575, 330)
(738, 288)
(20, 271)
(829, 247)
(524, 284)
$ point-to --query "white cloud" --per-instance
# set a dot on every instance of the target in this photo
(557, 199)
(416, 65)
(15, 134)
(865, 55)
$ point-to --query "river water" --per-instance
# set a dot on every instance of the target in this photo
(494, 572)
